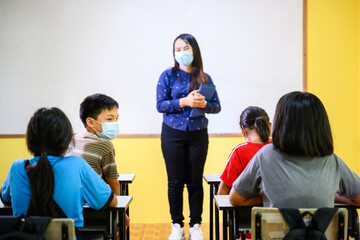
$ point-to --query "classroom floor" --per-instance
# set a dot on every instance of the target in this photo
(159, 231)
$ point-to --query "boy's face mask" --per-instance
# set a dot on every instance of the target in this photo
(110, 130)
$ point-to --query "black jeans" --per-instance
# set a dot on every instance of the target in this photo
(185, 155)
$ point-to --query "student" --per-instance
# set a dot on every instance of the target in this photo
(255, 127)
(184, 140)
(99, 114)
(299, 170)
(50, 184)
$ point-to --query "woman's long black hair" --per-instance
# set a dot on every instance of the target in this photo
(49, 132)
(198, 76)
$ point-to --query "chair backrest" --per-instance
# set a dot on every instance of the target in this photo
(268, 224)
(60, 229)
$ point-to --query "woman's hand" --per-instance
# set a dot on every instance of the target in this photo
(194, 100)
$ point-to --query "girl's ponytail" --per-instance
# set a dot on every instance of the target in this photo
(262, 127)
(42, 183)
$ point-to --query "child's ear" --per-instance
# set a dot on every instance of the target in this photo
(90, 122)
(243, 132)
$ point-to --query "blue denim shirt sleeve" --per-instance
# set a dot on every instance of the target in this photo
(165, 103)
(214, 105)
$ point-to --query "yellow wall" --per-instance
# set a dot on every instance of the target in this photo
(333, 70)
(143, 157)
(333, 75)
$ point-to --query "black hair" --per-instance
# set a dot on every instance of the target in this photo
(49, 132)
(92, 106)
(301, 126)
(256, 118)
(198, 76)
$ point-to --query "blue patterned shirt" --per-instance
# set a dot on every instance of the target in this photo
(172, 86)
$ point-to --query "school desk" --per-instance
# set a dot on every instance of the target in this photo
(125, 180)
(230, 230)
(213, 180)
(113, 215)
(229, 219)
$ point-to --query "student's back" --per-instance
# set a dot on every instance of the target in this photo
(75, 183)
(297, 182)
(255, 127)
(50, 184)
(299, 169)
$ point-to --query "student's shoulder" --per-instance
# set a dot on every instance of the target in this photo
(241, 146)
(18, 167)
(267, 149)
(19, 163)
(246, 146)
(91, 140)
(73, 160)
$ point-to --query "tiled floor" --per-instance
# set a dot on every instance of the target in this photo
(159, 231)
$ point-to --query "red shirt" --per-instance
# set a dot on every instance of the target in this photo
(238, 159)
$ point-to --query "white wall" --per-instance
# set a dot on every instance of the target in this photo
(55, 53)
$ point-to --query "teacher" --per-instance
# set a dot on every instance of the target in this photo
(184, 140)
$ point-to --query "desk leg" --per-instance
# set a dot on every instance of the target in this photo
(211, 227)
(231, 224)
(113, 217)
(225, 229)
(122, 228)
(127, 211)
(217, 224)
(355, 220)
(124, 191)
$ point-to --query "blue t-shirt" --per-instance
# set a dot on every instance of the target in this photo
(172, 86)
(76, 183)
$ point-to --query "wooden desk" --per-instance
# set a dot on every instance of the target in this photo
(113, 215)
(213, 180)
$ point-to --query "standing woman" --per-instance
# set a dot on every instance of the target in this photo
(184, 140)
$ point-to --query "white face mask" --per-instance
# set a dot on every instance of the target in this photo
(110, 130)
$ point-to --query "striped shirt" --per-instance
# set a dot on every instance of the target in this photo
(98, 152)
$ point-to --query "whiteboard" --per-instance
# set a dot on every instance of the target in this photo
(55, 53)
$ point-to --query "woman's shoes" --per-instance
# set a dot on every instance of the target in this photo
(196, 233)
(177, 232)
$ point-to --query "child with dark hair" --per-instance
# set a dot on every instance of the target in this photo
(255, 127)
(299, 170)
(50, 184)
(99, 114)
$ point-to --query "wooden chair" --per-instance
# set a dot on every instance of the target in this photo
(268, 224)
(60, 229)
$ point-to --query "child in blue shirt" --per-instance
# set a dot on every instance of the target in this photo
(50, 184)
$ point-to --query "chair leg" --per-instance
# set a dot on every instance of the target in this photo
(341, 226)
(257, 226)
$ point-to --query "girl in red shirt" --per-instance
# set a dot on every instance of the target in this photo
(255, 127)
